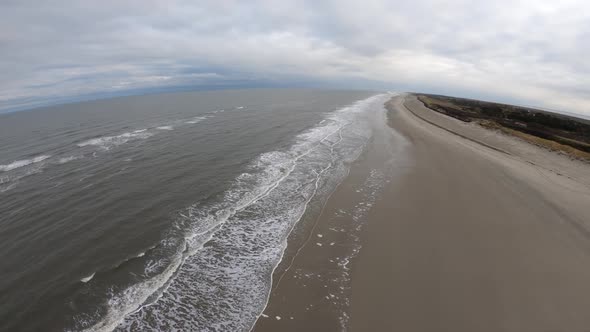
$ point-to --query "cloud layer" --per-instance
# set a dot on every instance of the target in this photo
(533, 52)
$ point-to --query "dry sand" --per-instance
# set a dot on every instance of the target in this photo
(470, 231)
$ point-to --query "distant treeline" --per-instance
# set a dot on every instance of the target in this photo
(555, 127)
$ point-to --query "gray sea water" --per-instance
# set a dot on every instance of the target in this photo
(164, 212)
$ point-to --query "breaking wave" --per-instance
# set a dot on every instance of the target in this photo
(197, 119)
(213, 271)
(107, 142)
(20, 163)
(67, 159)
(88, 278)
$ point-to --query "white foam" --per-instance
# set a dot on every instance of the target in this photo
(127, 301)
(5, 188)
(246, 230)
(197, 119)
(10, 181)
(165, 128)
(88, 278)
(21, 163)
(67, 159)
(107, 142)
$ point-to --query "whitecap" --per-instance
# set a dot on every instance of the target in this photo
(165, 128)
(20, 163)
(67, 159)
(127, 301)
(197, 119)
(107, 142)
(88, 278)
(248, 227)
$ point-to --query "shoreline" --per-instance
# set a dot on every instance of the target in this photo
(315, 291)
(458, 236)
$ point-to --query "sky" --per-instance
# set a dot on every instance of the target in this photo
(533, 52)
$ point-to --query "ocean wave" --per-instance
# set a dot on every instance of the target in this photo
(88, 278)
(165, 128)
(231, 245)
(20, 163)
(11, 179)
(197, 119)
(121, 302)
(107, 142)
(6, 187)
(64, 160)
(4, 179)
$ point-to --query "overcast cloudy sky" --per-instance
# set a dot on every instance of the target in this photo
(533, 52)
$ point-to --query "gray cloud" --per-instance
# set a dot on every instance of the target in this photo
(532, 52)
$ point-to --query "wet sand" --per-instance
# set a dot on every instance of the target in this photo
(468, 230)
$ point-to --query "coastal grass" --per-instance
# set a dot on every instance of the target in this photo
(538, 141)
(543, 129)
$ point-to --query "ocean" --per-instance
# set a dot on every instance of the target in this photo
(165, 212)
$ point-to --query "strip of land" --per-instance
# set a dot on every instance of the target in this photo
(554, 131)
(473, 239)
(475, 230)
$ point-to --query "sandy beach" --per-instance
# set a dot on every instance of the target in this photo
(474, 239)
(469, 230)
